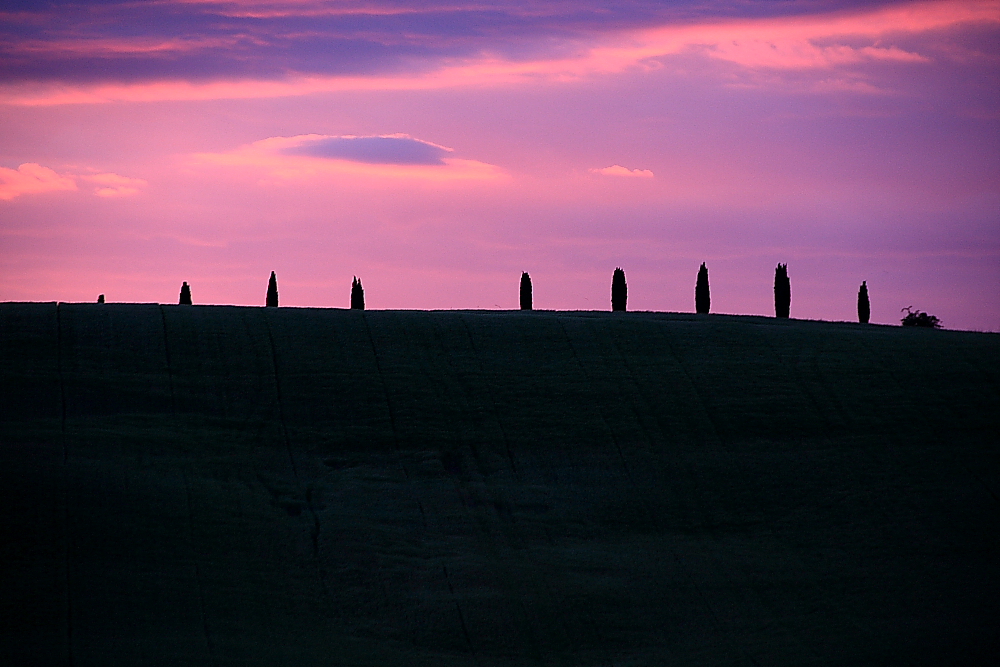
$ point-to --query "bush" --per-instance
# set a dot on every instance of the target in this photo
(918, 318)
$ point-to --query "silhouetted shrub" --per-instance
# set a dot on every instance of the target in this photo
(864, 306)
(100, 298)
(185, 299)
(272, 292)
(525, 291)
(619, 290)
(918, 318)
(357, 295)
(702, 297)
(782, 291)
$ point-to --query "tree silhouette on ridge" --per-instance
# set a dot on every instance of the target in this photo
(782, 291)
(357, 295)
(619, 290)
(185, 299)
(864, 305)
(272, 292)
(702, 298)
(525, 291)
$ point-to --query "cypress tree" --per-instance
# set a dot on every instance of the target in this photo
(357, 295)
(864, 305)
(619, 290)
(525, 291)
(272, 292)
(185, 299)
(702, 299)
(782, 291)
(100, 298)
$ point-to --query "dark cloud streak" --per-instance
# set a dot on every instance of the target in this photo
(373, 150)
(90, 41)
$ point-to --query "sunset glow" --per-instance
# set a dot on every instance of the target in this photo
(438, 150)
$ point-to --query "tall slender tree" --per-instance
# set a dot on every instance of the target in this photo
(525, 291)
(357, 295)
(185, 299)
(100, 298)
(702, 298)
(864, 305)
(782, 291)
(619, 290)
(272, 292)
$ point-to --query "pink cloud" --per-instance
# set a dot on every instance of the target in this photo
(618, 170)
(32, 178)
(113, 185)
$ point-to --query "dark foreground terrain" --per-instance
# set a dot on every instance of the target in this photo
(248, 486)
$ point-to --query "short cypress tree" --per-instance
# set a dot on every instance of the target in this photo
(185, 299)
(357, 295)
(702, 299)
(525, 291)
(619, 290)
(100, 298)
(782, 291)
(864, 305)
(272, 292)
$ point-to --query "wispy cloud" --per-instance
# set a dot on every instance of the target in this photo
(618, 170)
(113, 185)
(272, 49)
(33, 178)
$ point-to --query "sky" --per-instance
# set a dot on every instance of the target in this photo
(438, 149)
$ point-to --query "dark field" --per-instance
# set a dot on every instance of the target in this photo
(241, 486)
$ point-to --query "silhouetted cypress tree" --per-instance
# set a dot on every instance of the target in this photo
(864, 306)
(100, 298)
(272, 291)
(525, 291)
(782, 291)
(357, 295)
(702, 300)
(185, 299)
(619, 290)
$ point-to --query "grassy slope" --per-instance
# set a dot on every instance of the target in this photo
(235, 486)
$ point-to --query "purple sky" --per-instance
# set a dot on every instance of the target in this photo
(436, 150)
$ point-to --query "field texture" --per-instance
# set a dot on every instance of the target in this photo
(247, 486)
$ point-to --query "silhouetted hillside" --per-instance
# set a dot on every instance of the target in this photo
(261, 486)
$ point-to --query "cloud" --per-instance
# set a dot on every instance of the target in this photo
(32, 178)
(309, 156)
(386, 149)
(113, 185)
(215, 50)
(618, 170)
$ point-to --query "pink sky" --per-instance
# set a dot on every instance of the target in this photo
(438, 150)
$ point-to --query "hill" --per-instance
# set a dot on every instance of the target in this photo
(206, 485)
